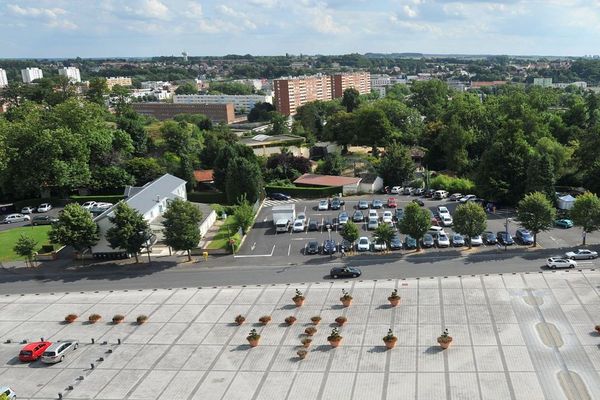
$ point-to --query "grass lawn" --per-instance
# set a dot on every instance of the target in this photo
(9, 238)
(222, 236)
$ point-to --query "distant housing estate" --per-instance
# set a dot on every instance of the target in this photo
(31, 74)
(119, 80)
(72, 73)
(241, 103)
(219, 113)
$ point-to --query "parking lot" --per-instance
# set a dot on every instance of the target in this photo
(263, 241)
(53, 213)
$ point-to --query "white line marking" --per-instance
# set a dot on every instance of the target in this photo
(253, 246)
(255, 255)
(289, 249)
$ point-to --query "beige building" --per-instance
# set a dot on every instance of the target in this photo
(291, 93)
(360, 81)
(215, 112)
(119, 80)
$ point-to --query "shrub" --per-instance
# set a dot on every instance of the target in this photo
(141, 319)
(240, 319)
(316, 319)
(310, 331)
(93, 318)
(290, 320)
(265, 319)
(118, 318)
(452, 185)
(306, 341)
(70, 318)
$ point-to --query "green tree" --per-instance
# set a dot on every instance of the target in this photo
(540, 176)
(200, 120)
(470, 220)
(181, 222)
(261, 112)
(132, 123)
(251, 185)
(75, 228)
(430, 98)
(187, 88)
(97, 90)
(396, 166)
(243, 215)
(373, 126)
(144, 170)
(536, 213)
(332, 164)
(25, 247)
(350, 232)
(416, 222)
(586, 213)
(280, 124)
(130, 231)
(383, 234)
(351, 99)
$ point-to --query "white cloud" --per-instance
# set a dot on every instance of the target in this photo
(153, 9)
(226, 10)
(36, 12)
(410, 12)
(62, 24)
(194, 10)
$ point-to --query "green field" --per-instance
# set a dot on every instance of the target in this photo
(9, 237)
(222, 237)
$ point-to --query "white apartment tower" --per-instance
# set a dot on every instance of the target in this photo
(70, 72)
(3, 79)
(31, 74)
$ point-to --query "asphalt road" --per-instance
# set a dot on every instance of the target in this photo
(231, 271)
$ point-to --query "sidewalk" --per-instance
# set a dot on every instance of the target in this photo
(211, 233)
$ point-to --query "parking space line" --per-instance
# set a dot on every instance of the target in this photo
(289, 249)
(255, 255)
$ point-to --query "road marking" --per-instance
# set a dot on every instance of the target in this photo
(265, 220)
(253, 246)
(255, 255)
(300, 238)
(289, 249)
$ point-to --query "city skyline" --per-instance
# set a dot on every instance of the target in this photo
(140, 28)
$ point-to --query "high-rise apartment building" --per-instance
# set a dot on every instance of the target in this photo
(3, 78)
(119, 80)
(360, 81)
(293, 92)
(70, 72)
(31, 74)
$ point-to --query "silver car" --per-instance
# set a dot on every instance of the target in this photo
(12, 218)
(581, 254)
(57, 351)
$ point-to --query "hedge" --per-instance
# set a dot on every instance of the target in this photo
(453, 185)
(108, 198)
(55, 201)
(307, 192)
(207, 197)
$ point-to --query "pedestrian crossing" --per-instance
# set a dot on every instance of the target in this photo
(271, 203)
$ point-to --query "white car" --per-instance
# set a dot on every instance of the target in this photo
(373, 223)
(57, 351)
(446, 220)
(27, 210)
(379, 246)
(44, 207)
(581, 254)
(467, 198)
(476, 240)
(8, 392)
(323, 205)
(364, 244)
(298, 226)
(436, 230)
(373, 214)
(103, 205)
(301, 216)
(559, 262)
(396, 190)
(388, 217)
(455, 196)
(88, 205)
(12, 218)
(442, 240)
(443, 211)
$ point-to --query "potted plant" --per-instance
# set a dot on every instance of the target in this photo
(394, 299)
(141, 319)
(118, 318)
(444, 340)
(597, 328)
(390, 340)
(341, 320)
(93, 318)
(346, 299)
(310, 331)
(315, 320)
(70, 318)
(298, 298)
(302, 353)
(290, 320)
(334, 339)
(306, 342)
(265, 319)
(253, 338)
(240, 319)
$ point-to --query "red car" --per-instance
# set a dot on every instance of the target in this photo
(33, 351)
(392, 203)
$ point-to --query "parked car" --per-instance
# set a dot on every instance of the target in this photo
(301, 216)
(443, 211)
(581, 254)
(379, 246)
(12, 218)
(279, 196)
(455, 197)
(442, 240)
(476, 240)
(57, 351)
(418, 192)
(504, 238)
(43, 220)
(44, 207)
(429, 193)
(524, 237)
(396, 190)
(410, 243)
(358, 216)
(345, 272)
(8, 392)
(88, 205)
(364, 244)
(399, 214)
(419, 202)
(346, 245)
(312, 247)
(372, 224)
(329, 246)
(408, 190)
(343, 218)
(446, 220)
(387, 217)
(376, 204)
(27, 210)
(363, 205)
(427, 241)
(440, 194)
(335, 204)
(395, 243)
(489, 238)
(563, 223)
(559, 262)
(327, 223)
(391, 202)
(458, 240)
(468, 197)
(298, 226)
(313, 225)
(373, 214)
(33, 351)
(436, 230)
(323, 205)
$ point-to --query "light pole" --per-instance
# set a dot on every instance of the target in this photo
(506, 231)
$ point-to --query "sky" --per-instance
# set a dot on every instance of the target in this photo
(138, 28)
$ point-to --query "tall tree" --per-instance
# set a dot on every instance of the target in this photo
(25, 247)
(374, 127)
(332, 164)
(470, 220)
(75, 228)
(243, 215)
(350, 232)
(130, 231)
(181, 222)
(280, 124)
(98, 88)
(396, 165)
(132, 123)
(430, 98)
(351, 99)
(586, 213)
(384, 234)
(261, 112)
(540, 176)
(251, 185)
(144, 170)
(187, 88)
(536, 213)
(416, 222)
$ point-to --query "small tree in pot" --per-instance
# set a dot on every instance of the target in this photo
(93, 318)
(597, 328)
(444, 340)
(306, 342)
(390, 340)
(298, 298)
(253, 338)
(290, 320)
(315, 320)
(341, 320)
(310, 331)
(265, 319)
(302, 353)
(394, 299)
(240, 319)
(70, 318)
(346, 299)
(335, 338)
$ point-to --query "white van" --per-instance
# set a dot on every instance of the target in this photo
(440, 194)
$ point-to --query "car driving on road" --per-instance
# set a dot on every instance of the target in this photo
(345, 272)
(581, 254)
(559, 262)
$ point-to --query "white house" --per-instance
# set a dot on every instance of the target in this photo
(149, 200)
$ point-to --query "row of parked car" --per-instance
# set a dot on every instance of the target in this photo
(47, 352)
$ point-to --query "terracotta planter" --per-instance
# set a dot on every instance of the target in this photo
(390, 344)
(346, 302)
(70, 318)
(290, 320)
(335, 343)
(265, 320)
(253, 342)
(310, 331)
(306, 345)
(94, 318)
(302, 354)
(394, 301)
(444, 344)
(240, 320)
(142, 320)
(298, 302)
(315, 321)
(340, 321)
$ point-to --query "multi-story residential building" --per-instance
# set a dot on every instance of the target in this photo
(3, 78)
(155, 85)
(360, 81)
(119, 80)
(215, 112)
(380, 81)
(31, 74)
(72, 73)
(293, 92)
(543, 82)
(241, 103)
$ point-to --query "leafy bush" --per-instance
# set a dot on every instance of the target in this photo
(453, 185)
(207, 197)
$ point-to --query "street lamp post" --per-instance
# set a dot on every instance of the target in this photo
(506, 231)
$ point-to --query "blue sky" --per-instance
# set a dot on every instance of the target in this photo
(99, 28)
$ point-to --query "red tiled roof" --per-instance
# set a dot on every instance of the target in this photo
(205, 175)
(326, 180)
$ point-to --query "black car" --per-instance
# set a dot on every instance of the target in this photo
(327, 224)
(43, 220)
(279, 196)
(335, 204)
(399, 214)
(329, 247)
(524, 237)
(505, 239)
(419, 202)
(427, 241)
(489, 238)
(346, 245)
(313, 225)
(429, 193)
(312, 247)
(410, 243)
(345, 272)
(395, 243)
(358, 216)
